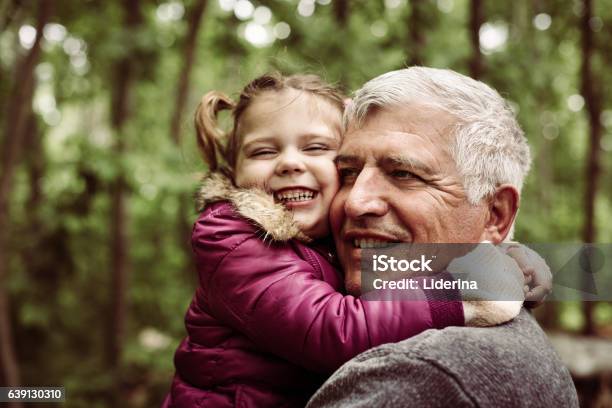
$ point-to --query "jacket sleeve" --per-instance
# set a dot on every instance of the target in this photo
(267, 292)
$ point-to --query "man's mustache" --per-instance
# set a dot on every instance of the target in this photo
(376, 226)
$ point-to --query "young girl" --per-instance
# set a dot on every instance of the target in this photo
(269, 321)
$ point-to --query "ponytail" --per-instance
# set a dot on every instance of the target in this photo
(209, 136)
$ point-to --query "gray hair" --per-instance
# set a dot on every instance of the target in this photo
(489, 147)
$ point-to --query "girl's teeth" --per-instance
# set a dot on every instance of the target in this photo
(295, 196)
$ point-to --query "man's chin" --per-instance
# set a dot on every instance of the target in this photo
(352, 283)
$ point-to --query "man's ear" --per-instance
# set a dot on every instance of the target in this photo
(502, 206)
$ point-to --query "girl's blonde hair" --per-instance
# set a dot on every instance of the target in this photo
(219, 149)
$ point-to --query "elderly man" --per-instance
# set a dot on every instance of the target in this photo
(432, 156)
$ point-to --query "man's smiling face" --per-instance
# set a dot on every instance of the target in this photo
(399, 183)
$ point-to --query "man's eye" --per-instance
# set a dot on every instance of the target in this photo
(348, 175)
(404, 175)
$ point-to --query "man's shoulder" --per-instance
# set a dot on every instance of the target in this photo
(522, 334)
(511, 364)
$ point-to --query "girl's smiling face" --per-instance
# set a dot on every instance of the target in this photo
(289, 140)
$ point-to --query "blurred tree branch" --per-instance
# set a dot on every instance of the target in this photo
(18, 110)
(341, 12)
(189, 51)
(593, 100)
(476, 62)
(125, 70)
(194, 18)
(415, 33)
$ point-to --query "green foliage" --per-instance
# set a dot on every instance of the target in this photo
(60, 269)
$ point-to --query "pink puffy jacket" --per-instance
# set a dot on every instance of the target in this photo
(269, 321)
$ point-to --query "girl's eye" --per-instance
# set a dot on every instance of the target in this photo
(316, 147)
(262, 152)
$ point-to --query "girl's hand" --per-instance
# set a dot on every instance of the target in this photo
(499, 295)
(538, 277)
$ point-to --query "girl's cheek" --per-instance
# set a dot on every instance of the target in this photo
(246, 176)
(255, 174)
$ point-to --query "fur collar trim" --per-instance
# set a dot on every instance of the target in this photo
(253, 204)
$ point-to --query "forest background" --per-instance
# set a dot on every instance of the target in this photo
(99, 163)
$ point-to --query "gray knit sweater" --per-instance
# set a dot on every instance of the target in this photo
(511, 365)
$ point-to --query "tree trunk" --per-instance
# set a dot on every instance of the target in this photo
(415, 33)
(189, 53)
(195, 20)
(120, 112)
(476, 19)
(593, 102)
(18, 110)
(36, 169)
(341, 12)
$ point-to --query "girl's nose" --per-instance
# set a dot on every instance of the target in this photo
(289, 163)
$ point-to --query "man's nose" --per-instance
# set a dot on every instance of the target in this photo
(290, 161)
(366, 197)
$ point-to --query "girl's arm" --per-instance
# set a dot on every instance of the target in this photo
(267, 292)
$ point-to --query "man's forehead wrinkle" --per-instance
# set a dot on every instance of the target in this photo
(421, 130)
(410, 154)
(424, 129)
(405, 160)
(416, 118)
